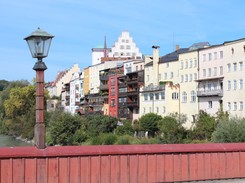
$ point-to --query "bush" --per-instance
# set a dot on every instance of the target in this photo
(229, 130)
(104, 139)
(125, 129)
(125, 139)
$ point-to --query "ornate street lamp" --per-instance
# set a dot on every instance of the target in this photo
(39, 43)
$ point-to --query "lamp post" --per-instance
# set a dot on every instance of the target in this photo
(39, 43)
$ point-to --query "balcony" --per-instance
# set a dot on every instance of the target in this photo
(104, 77)
(154, 88)
(132, 104)
(133, 92)
(103, 87)
(208, 93)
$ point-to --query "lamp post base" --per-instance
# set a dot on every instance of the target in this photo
(40, 135)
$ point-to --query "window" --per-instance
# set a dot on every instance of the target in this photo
(209, 86)
(112, 102)
(190, 77)
(195, 76)
(190, 63)
(221, 70)
(215, 55)
(234, 84)
(215, 71)
(121, 47)
(234, 106)
(195, 63)
(204, 72)
(136, 68)
(163, 95)
(221, 54)
(234, 67)
(210, 56)
(193, 96)
(171, 75)
(209, 72)
(228, 106)
(186, 78)
(240, 66)
(232, 50)
(186, 64)
(240, 105)
(128, 47)
(228, 85)
(228, 67)
(184, 97)
(112, 91)
(204, 57)
(151, 96)
(163, 109)
(210, 104)
(165, 75)
(167, 65)
(241, 84)
(145, 97)
(181, 78)
(181, 65)
(112, 81)
(157, 96)
(127, 41)
(175, 96)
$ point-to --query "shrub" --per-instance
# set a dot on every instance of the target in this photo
(229, 130)
(125, 139)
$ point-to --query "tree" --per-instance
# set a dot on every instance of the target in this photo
(65, 128)
(97, 124)
(149, 122)
(204, 126)
(171, 130)
(229, 130)
(125, 129)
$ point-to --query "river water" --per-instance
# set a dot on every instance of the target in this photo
(8, 141)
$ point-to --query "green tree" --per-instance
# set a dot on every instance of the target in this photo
(125, 129)
(171, 130)
(97, 124)
(149, 122)
(204, 126)
(229, 130)
(65, 128)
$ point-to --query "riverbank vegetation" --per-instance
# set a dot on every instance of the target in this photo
(17, 118)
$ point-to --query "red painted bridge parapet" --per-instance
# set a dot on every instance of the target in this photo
(122, 163)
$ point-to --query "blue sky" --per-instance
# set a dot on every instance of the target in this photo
(79, 25)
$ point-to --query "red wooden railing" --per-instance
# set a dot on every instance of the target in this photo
(122, 163)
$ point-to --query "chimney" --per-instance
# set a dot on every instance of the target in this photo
(155, 64)
(177, 47)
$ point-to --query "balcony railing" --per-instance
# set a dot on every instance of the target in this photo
(103, 87)
(132, 104)
(210, 93)
(153, 88)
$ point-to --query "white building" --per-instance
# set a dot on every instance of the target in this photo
(210, 82)
(125, 47)
(234, 77)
